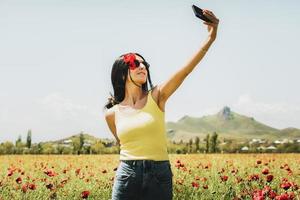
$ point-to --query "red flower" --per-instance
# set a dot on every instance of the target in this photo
(77, 171)
(253, 177)
(32, 186)
(129, 59)
(19, 180)
(283, 197)
(50, 172)
(195, 184)
(285, 185)
(269, 178)
(224, 178)
(258, 162)
(265, 171)
(24, 188)
(85, 194)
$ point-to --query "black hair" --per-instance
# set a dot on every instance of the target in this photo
(119, 74)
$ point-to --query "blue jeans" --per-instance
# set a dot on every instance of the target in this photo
(143, 180)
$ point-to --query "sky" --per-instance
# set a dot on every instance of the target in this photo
(56, 58)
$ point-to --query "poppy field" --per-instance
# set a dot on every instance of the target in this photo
(195, 176)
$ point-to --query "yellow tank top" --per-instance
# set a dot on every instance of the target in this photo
(142, 133)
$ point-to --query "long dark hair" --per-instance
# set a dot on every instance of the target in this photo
(119, 74)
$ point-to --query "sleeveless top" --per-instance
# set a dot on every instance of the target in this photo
(142, 133)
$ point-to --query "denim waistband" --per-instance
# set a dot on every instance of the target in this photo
(145, 163)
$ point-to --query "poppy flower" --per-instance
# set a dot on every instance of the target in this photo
(50, 172)
(195, 184)
(85, 194)
(24, 188)
(19, 180)
(285, 185)
(265, 171)
(32, 186)
(224, 178)
(269, 177)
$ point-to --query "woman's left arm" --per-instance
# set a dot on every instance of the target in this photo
(167, 88)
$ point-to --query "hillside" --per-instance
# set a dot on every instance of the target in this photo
(227, 124)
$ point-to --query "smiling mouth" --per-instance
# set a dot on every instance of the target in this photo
(141, 73)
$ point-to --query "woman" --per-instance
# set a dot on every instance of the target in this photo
(136, 118)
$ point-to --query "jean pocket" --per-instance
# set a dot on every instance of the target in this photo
(163, 173)
(124, 172)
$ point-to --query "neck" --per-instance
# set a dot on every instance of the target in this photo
(133, 93)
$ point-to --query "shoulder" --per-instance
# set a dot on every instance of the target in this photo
(155, 93)
(110, 114)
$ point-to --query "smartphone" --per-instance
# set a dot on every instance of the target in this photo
(199, 13)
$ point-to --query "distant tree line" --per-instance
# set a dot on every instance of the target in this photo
(76, 146)
(79, 145)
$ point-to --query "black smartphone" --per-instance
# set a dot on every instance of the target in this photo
(199, 13)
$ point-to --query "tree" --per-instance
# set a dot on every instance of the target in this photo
(197, 142)
(207, 143)
(81, 142)
(190, 145)
(76, 145)
(19, 145)
(214, 139)
(98, 147)
(28, 141)
(7, 148)
(19, 140)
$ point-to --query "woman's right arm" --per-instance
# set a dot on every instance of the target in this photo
(110, 120)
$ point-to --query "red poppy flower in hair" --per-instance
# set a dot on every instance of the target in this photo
(129, 60)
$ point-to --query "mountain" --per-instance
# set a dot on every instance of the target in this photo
(87, 138)
(227, 124)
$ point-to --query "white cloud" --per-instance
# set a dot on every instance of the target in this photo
(275, 114)
(63, 108)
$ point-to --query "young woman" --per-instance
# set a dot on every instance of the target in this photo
(136, 118)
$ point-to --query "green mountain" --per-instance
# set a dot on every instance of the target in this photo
(227, 124)
(90, 139)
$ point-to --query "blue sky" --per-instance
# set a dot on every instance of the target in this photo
(56, 59)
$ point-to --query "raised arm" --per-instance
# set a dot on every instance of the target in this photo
(167, 88)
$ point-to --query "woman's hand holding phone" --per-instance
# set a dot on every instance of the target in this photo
(212, 26)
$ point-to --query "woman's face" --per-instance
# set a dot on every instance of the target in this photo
(139, 74)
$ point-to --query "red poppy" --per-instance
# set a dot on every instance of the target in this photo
(24, 188)
(85, 194)
(195, 184)
(258, 162)
(285, 185)
(253, 177)
(224, 178)
(265, 171)
(77, 171)
(284, 196)
(50, 172)
(269, 177)
(32, 186)
(19, 180)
